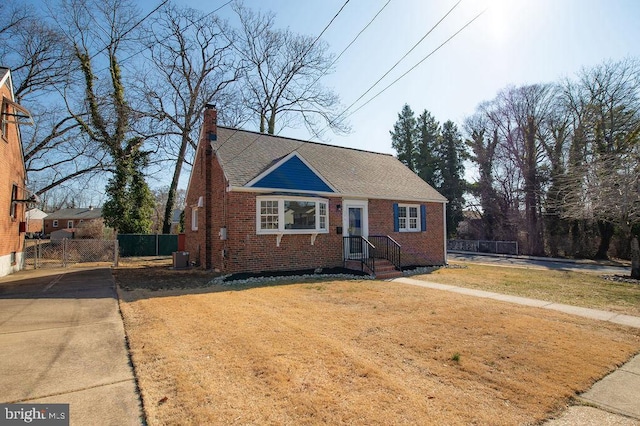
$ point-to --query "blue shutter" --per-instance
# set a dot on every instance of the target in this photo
(396, 221)
(423, 217)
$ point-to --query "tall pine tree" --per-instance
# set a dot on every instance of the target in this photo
(428, 132)
(451, 154)
(403, 137)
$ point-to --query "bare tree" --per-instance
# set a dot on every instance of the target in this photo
(193, 60)
(100, 31)
(602, 181)
(282, 76)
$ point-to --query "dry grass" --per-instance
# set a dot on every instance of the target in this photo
(573, 288)
(356, 352)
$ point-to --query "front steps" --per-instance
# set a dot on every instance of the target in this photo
(385, 270)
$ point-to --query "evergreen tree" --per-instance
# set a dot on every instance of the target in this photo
(451, 155)
(130, 204)
(403, 137)
(428, 131)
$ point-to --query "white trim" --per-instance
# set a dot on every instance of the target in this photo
(281, 219)
(200, 201)
(280, 163)
(364, 204)
(194, 218)
(231, 188)
(444, 227)
(418, 227)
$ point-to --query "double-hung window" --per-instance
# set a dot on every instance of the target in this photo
(291, 215)
(409, 218)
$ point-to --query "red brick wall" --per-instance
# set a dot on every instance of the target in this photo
(418, 248)
(246, 251)
(250, 252)
(11, 172)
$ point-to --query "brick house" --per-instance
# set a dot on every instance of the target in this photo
(258, 202)
(13, 192)
(74, 219)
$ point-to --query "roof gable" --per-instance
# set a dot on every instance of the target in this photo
(291, 172)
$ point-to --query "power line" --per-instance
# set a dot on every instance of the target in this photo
(183, 29)
(305, 53)
(350, 44)
(401, 59)
(134, 27)
(416, 65)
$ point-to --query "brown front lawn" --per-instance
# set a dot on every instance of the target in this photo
(355, 352)
(586, 289)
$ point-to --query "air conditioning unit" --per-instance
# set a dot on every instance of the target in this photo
(180, 259)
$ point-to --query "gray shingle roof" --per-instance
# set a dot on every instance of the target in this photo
(354, 173)
(85, 213)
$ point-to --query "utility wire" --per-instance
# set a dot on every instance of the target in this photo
(305, 53)
(401, 59)
(183, 29)
(133, 28)
(416, 65)
(349, 45)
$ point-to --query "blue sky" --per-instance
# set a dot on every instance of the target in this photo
(513, 43)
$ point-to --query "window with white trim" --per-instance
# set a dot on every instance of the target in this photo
(55, 224)
(69, 224)
(409, 218)
(194, 218)
(291, 215)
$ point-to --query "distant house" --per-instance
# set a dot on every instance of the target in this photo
(35, 222)
(74, 218)
(258, 202)
(13, 193)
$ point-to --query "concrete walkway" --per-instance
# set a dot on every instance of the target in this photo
(618, 393)
(62, 341)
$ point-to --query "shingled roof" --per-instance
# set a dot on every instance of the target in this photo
(243, 155)
(84, 213)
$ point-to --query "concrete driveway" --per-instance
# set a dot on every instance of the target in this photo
(62, 341)
(610, 268)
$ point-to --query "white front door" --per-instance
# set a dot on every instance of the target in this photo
(355, 223)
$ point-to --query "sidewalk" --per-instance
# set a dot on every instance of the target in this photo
(618, 393)
(63, 341)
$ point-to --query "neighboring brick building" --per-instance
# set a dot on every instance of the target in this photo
(257, 202)
(13, 192)
(87, 218)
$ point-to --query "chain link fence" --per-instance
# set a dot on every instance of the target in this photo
(66, 252)
(479, 246)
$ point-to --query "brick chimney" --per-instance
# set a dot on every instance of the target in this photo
(210, 123)
(210, 132)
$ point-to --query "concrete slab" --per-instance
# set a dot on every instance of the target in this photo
(37, 314)
(580, 311)
(87, 407)
(627, 320)
(525, 301)
(59, 360)
(590, 416)
(632, 366)
(619, 392)
(62, 340)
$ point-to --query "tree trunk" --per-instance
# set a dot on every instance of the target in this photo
(536, 246)
(635, 259)
(606, 233)
(171, 196)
